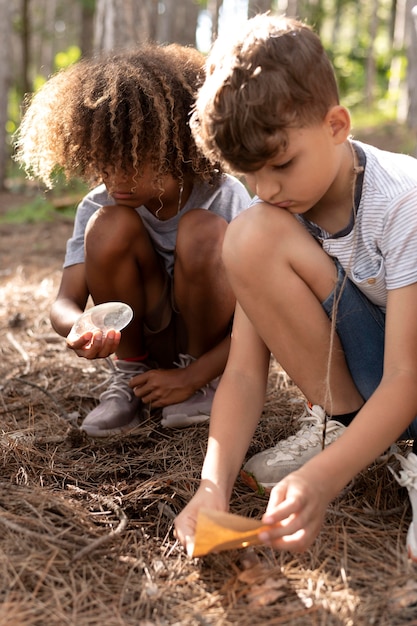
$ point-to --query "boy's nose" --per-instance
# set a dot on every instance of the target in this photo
(266, 189)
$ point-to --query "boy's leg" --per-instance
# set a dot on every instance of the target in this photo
(360, 326)
(205, 303)
(281, 276)
(121, 265)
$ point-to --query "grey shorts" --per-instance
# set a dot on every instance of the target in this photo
(165, 332)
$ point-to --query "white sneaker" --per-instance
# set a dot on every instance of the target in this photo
(119, 410)
(408, 478)
(267, 468)
(196, 409)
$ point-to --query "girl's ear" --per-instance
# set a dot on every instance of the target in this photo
(338, 121)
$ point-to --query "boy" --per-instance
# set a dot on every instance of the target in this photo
(324, 269)
(149, 233)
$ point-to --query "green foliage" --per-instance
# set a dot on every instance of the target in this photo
(67, 57)
(63, 59)
(39, 209)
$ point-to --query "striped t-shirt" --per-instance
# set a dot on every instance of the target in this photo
(378, 251)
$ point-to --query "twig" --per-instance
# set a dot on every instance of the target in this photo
(32, 533)
(21, 351)
(123, 520)
(63, 412)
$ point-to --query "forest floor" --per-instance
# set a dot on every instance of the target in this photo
(87, 525)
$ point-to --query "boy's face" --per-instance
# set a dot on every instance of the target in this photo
(305, 173)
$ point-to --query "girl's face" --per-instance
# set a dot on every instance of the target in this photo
(134, 191)
(306, 174)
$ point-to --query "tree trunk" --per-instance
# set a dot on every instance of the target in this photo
(122, 23)
(5, 78)
(412, 63)
(177, 21)
(397, 87)
(370, 68)
(87, 30)
(213, 7)
(258, 6)
(25, 39)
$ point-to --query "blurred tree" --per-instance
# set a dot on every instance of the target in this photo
(411, 12)
(213, 7)
(122, 23)
(259, 6)
(370, 66)
(88, 9)
(5, 79)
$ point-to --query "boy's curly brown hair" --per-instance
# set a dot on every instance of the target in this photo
(274, 75)
(116, 113)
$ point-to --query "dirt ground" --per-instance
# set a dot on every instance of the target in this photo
(86, 526)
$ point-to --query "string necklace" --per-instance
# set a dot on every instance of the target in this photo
(356, 170)
(159, 209)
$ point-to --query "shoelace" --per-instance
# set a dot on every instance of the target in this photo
(118, 386)
(407, 476)
(311, 432)
(184, 361)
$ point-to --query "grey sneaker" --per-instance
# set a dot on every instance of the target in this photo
(267, 468)
(119, 410)
(196, 409)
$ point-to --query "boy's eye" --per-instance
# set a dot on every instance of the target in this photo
(283, 166)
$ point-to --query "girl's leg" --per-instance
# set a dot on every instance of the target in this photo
(122, 265)
(280, 276)
(202, 292)
(206, 303)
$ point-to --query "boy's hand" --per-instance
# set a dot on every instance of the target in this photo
(297, 506)
(208, 497)
(94, 345)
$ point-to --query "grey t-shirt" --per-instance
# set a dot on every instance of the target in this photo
(227, 199)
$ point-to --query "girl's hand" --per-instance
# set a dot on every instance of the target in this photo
(94, 345)
(296, 507)
(207, 496)
(161, 387)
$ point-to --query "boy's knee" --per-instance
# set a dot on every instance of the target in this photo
(239, 242)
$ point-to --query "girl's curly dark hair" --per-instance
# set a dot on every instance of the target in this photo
(117, 112)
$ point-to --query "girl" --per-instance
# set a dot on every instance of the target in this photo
(148, 234)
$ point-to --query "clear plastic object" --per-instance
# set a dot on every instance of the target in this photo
(106, 316)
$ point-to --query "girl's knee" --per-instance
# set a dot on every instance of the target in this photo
(200, 237)
(111, 231)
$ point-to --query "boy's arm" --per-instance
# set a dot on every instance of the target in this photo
(236, 410)
(298, 503)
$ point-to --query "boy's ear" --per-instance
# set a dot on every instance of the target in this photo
(338, 120)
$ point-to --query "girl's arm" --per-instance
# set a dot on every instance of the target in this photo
(69, 305)
(236, 410)
(298, 503)
(71, 299)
